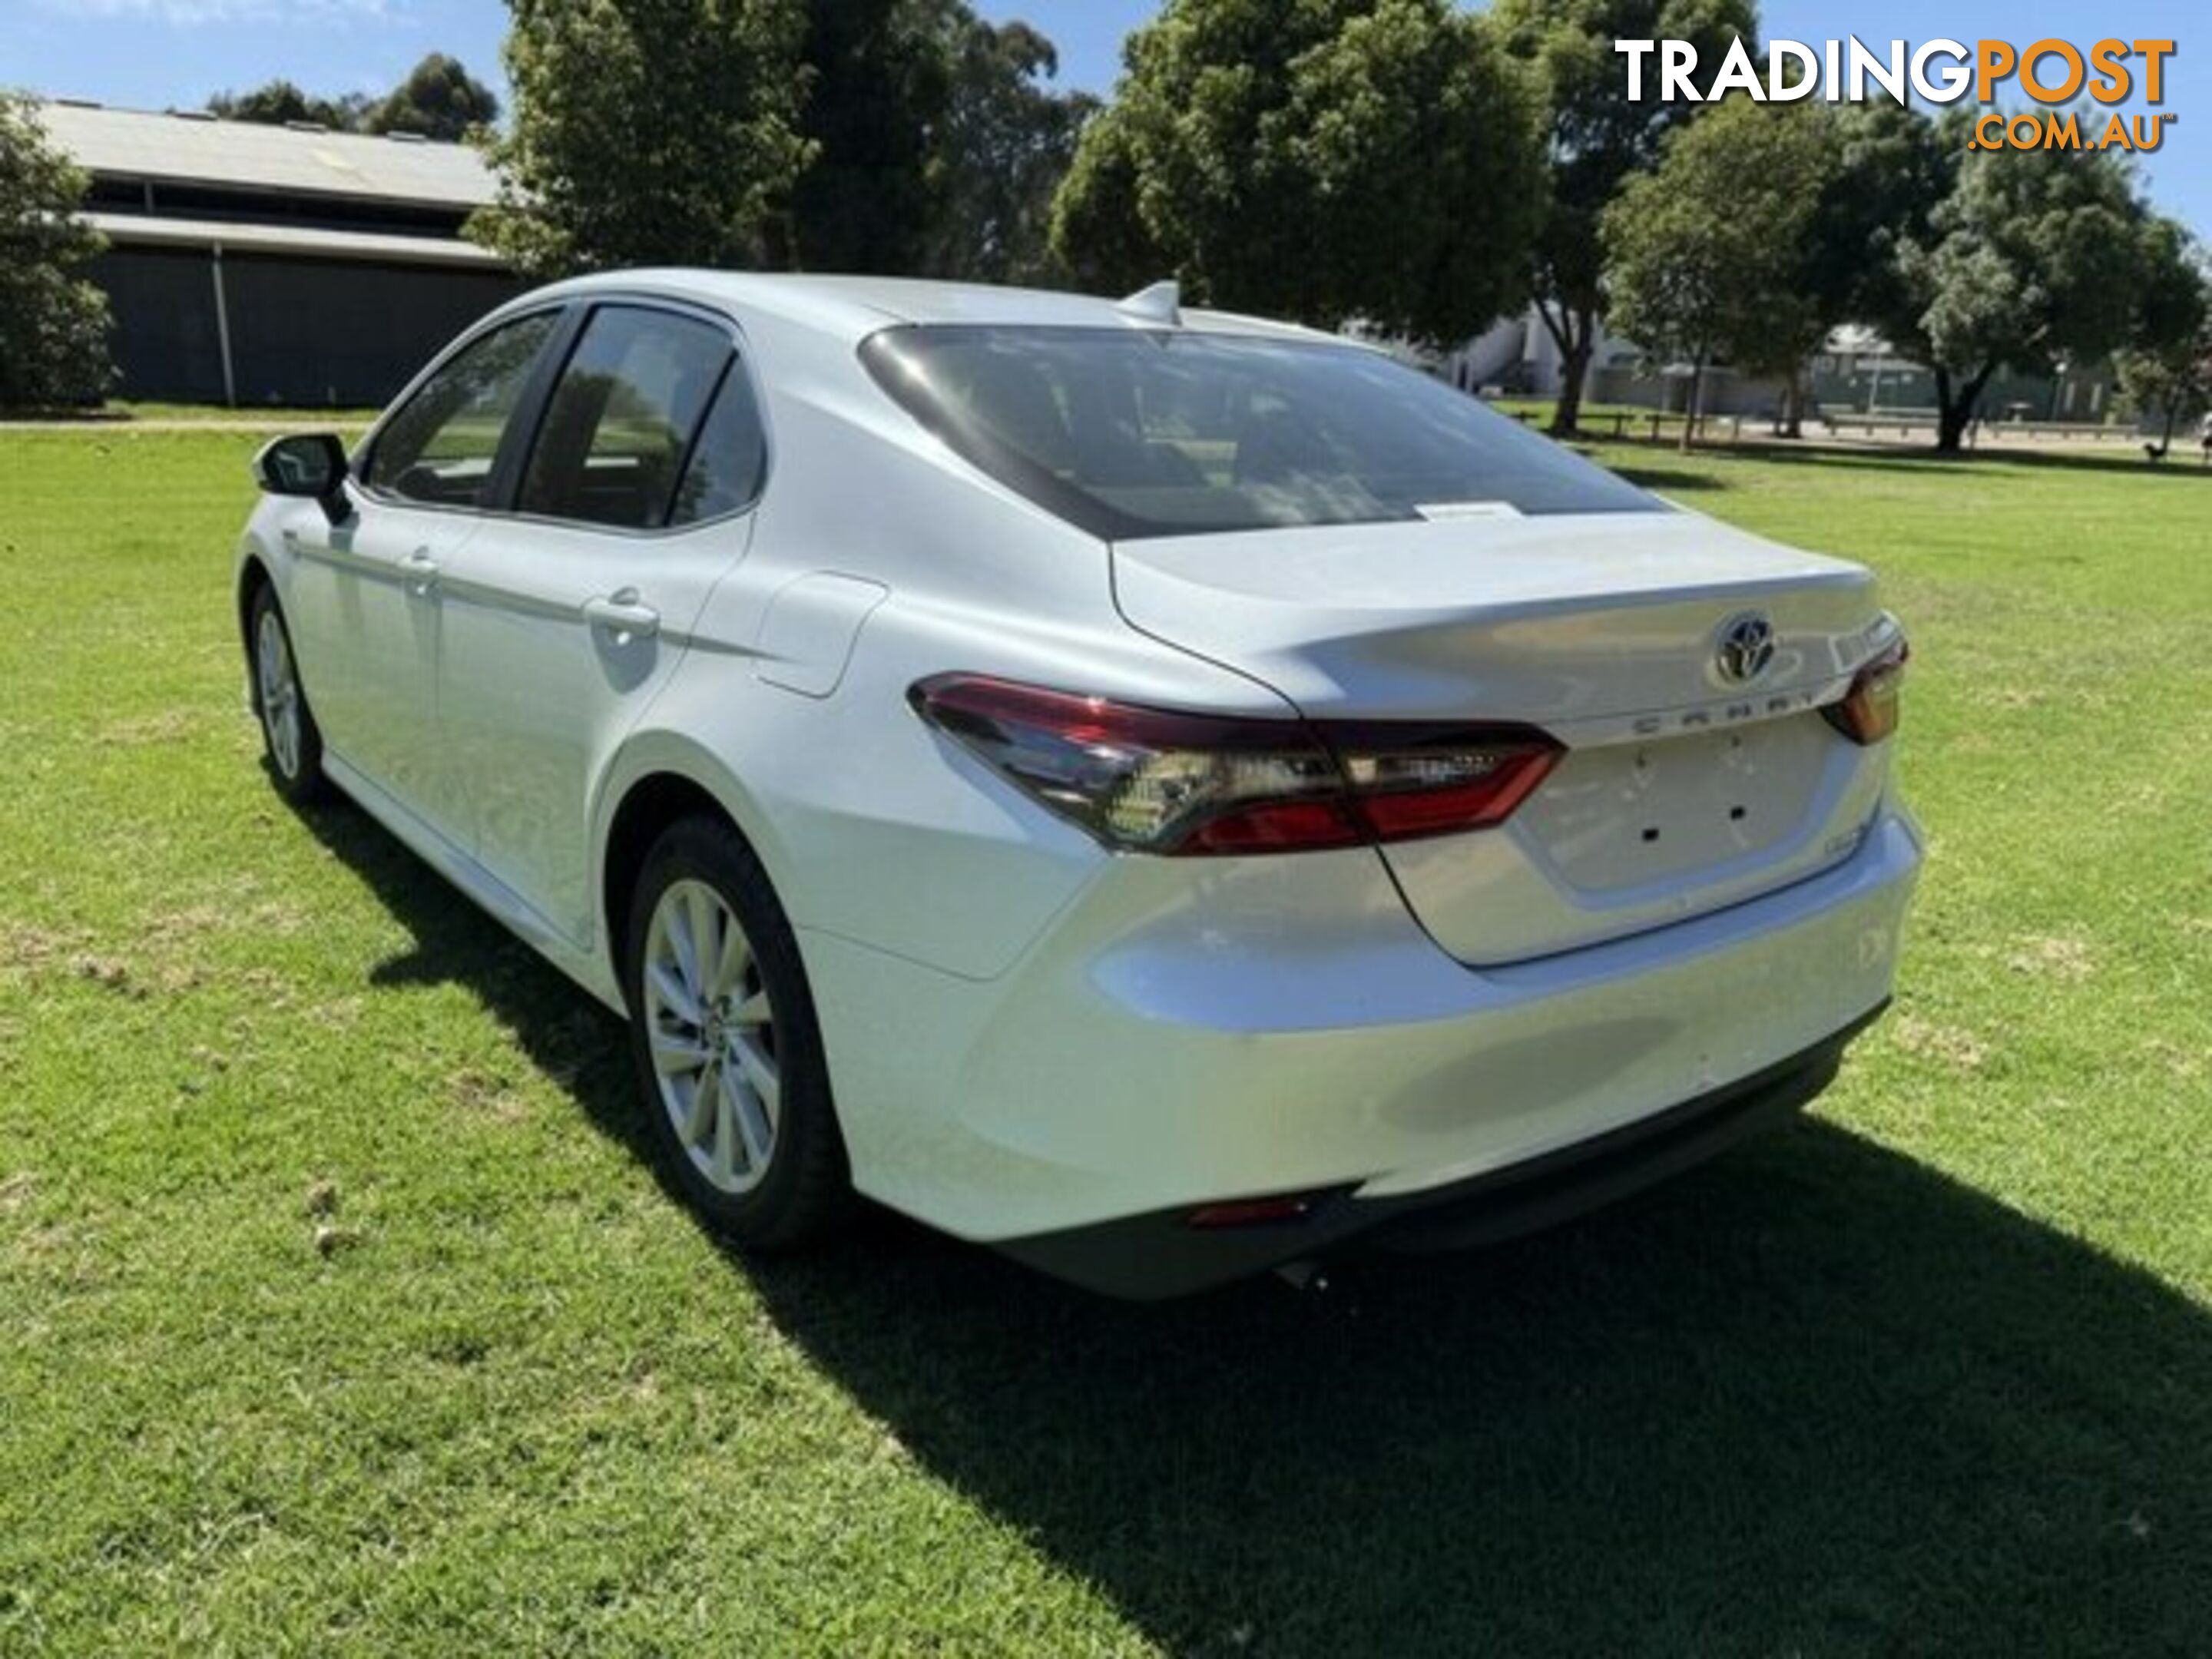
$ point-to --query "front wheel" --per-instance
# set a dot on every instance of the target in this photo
(728, 1053)
(289, 736)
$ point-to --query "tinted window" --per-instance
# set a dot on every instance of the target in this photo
(728, 457)
(440, 446)
(621, 420)
(1133, 433)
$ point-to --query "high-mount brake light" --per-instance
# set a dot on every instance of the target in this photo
(1160, 780)
(1870, 710)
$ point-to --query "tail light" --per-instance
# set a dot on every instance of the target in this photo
(1870, 710)
(1156, 780)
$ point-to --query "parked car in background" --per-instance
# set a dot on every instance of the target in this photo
(1163, 793)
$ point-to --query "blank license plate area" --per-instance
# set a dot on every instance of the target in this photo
(1631, 814)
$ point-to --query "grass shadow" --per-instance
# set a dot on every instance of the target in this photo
(1898, 458)
(1813, 1399)
(1666, 484)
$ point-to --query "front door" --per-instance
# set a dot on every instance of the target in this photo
(370, 591)
(563, 618)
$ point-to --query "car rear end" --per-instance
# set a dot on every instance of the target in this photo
(1569, 853)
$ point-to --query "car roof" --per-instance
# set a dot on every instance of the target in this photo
(853, 307)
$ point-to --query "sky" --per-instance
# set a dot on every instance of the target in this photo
(150, 54)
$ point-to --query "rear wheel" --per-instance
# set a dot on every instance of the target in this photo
(728, 1052)
(289, 737)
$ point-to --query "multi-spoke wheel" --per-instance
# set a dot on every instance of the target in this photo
(712, 1026)
(727, 1047)
(288, 732)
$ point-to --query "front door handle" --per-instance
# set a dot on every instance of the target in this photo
(419, 572)
(622, 616)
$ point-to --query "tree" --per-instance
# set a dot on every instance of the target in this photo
(54, 324)
(1597, 140)
(2033, 256)
(648, 132)
(879, 77)
(1006, 142)
(935, 149)
(2167, 367)
(439, 99)
(279, 101)
(1893, 168)
(1096, 231)
(1335, 160)
(1706, 255)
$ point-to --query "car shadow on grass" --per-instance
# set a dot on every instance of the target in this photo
(1815, 1398)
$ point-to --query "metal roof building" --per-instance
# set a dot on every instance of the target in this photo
(264, 265)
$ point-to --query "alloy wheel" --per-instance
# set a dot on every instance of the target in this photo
(712, 1032)
(279, 687)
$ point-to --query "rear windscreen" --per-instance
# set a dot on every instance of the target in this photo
(1131, 432)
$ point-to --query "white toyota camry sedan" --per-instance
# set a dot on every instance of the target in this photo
(1165, 793)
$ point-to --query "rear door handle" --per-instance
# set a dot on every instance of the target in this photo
(622, 616)
(419, 572)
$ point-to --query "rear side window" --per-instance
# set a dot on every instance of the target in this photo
(1131, 432)
(727, 460)
(439, 446)
(618, 427)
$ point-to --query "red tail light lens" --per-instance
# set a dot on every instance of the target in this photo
(1255, 1211)
(1158, 781)
(1870, 710)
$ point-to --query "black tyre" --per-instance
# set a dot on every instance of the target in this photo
(289, 737)
(728, 1052)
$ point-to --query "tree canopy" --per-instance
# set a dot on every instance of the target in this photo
(1339, 160)
(1007, 140)
(54, 323)
(937, 142)
(2030, 257)
(648, 132)
(280, 101)
(1596, 140)
(2166, 368)
(879, 82)
(439, 99)
(1708, 253)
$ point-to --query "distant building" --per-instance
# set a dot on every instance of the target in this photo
(262, 265)
(1857, 372)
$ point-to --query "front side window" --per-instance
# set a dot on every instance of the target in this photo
(439, 447)
(619, 426)
(1131, 432)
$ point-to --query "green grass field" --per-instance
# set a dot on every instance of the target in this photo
(1930, 1374)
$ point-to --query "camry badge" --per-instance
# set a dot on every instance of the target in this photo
(1746, 647)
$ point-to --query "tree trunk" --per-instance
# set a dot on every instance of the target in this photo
(1696, 395)
(2165, 438)
(1954, 413)
(1793, 404)
(1574, 333)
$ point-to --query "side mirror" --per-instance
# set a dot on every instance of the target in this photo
(307, 464)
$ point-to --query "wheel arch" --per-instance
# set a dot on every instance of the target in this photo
(253, 575)
(658, 779)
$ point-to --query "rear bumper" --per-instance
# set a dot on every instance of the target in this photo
(1163, 1255)
(1179, 1037)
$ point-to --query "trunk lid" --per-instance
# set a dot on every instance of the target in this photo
(1681, 790)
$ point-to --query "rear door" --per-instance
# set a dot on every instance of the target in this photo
(566, 614)
(365, 594)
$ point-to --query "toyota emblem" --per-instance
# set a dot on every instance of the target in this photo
(1746, 647)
